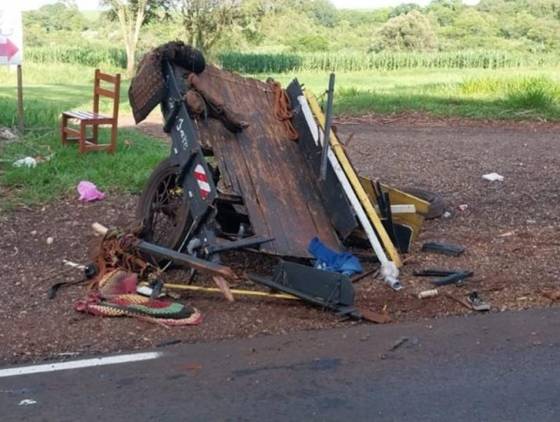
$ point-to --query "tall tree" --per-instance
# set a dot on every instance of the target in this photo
(206, 21)
(131, 15)
(407, 32)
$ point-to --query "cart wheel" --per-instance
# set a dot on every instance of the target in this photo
(162, 208)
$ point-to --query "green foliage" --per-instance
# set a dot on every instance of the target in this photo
(410, 32)
(309, 43)
(56, 17)
(403, 9)
(534, 94)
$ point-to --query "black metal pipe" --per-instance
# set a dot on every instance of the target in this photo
(327, 133)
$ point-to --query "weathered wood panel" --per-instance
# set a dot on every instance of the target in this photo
(265, 167)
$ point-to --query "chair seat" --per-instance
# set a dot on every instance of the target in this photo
(87, 115)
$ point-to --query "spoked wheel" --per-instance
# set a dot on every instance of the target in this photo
(162, 209)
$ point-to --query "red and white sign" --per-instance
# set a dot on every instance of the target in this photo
(11, 35)
(202, 180)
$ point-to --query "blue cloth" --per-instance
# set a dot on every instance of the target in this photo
(329, 260)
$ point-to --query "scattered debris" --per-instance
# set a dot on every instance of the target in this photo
(376, 317)
(323, 288)
(447, 214)
(74, 264)
(446, 276)
(398, 343)
(28, 162)
(463, 207)
(168, 343)
(477, 303)
(374, 272)
(27, 402)
(493, 177)
(89, 192)
(329, 260)
(50, 240)
(428, 293)
(114, 294)
(443, 248)
(8, 134)
(553, 295)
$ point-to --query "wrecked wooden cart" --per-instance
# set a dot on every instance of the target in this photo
(244, 173)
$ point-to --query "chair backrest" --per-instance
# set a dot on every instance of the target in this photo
(111, 89)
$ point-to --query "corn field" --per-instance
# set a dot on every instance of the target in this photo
(278, 63)
(252, 63)
(88, 55)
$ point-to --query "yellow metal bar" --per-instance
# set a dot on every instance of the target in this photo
(234, 291)
(355, 182)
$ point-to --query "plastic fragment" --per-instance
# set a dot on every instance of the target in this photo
(493, 177)
(89, 192)
(28, 162)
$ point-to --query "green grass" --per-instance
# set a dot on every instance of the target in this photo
(522, 93)
(474, 93)
(125, 171)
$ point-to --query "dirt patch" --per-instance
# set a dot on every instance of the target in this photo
(510, 230)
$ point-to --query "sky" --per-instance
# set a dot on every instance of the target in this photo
(352, 4)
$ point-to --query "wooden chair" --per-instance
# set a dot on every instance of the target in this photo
(93, 118)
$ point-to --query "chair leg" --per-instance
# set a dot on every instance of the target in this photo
(114, 133)
(95, 134)
(83, 136)
(63, 125)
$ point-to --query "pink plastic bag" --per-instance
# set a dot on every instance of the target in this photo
(89, 192)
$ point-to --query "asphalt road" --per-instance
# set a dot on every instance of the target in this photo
(498, 367)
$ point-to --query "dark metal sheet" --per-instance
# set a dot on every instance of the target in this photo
(333, 196)
(265, 167)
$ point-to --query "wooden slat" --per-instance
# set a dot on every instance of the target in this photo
(70, 131)
(97, 147)
(106, 77)
(105, 92)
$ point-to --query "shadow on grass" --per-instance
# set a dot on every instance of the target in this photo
(361, 102)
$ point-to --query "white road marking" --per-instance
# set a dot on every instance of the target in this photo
(77, 364)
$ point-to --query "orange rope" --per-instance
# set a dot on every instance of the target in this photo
(282, 109)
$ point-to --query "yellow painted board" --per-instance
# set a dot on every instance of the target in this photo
(397, 196)
(355, 182)
(414, 221)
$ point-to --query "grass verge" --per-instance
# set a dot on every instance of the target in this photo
(63, 167)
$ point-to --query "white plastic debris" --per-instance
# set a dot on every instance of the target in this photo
(463, 207)
(446, 214)
(29, 162)
(7, 134)
(493, 177)
(27, 402)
